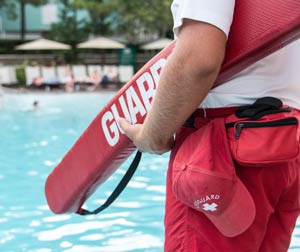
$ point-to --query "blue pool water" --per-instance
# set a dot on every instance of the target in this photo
(32, 143)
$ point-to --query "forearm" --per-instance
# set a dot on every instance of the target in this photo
(177, 96)
(181, 89)
(184, 82)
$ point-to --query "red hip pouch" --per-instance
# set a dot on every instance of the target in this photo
(264, 133)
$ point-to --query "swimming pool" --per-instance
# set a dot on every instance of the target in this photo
(32, 143)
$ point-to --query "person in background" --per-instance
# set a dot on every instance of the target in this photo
(36, 105)
(37, 81)
(201, 29)
(68, 79)
(94, 79)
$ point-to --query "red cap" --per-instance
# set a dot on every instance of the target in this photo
(204, 178)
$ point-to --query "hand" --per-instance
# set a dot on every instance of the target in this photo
(143, 142)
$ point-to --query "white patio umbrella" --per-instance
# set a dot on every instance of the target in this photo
(43, 44)
(100, 43)
(157, 44)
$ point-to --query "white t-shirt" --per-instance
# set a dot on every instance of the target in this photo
(276, 75)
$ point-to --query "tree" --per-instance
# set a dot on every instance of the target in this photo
(100, 12)
(23, 4)
(138, 21)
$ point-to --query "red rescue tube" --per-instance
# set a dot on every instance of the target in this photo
(102, 148)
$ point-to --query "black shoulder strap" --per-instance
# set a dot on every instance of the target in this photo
(120, 187)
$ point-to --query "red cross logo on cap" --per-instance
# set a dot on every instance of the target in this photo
(210, 207)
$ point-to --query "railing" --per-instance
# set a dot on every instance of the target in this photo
(18, 59)
(84, 58)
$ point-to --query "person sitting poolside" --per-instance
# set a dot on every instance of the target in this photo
(69, 83)
(109, 77)
(66, 77)
(94, 79)
(37, 81)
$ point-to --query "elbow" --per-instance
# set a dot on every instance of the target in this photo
(208, 67)
(200, 63)
(203, 68)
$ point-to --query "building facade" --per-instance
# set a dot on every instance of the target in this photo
(38, 20)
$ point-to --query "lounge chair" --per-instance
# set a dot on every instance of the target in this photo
(125, 73)
(33, 76)
(92, 69)
(8, 75)
(80, 76)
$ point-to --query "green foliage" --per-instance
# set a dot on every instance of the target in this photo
(128, 18)
(149, 17)
(100, 12)
(33, 2)
(21, 76)
(69, 29)
(8, 46)
(20, 71)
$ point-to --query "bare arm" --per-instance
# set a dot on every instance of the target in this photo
(184, 82)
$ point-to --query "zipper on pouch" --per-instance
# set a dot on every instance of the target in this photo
(242, 125)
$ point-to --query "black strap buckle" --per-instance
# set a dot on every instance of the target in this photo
(261, 107)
